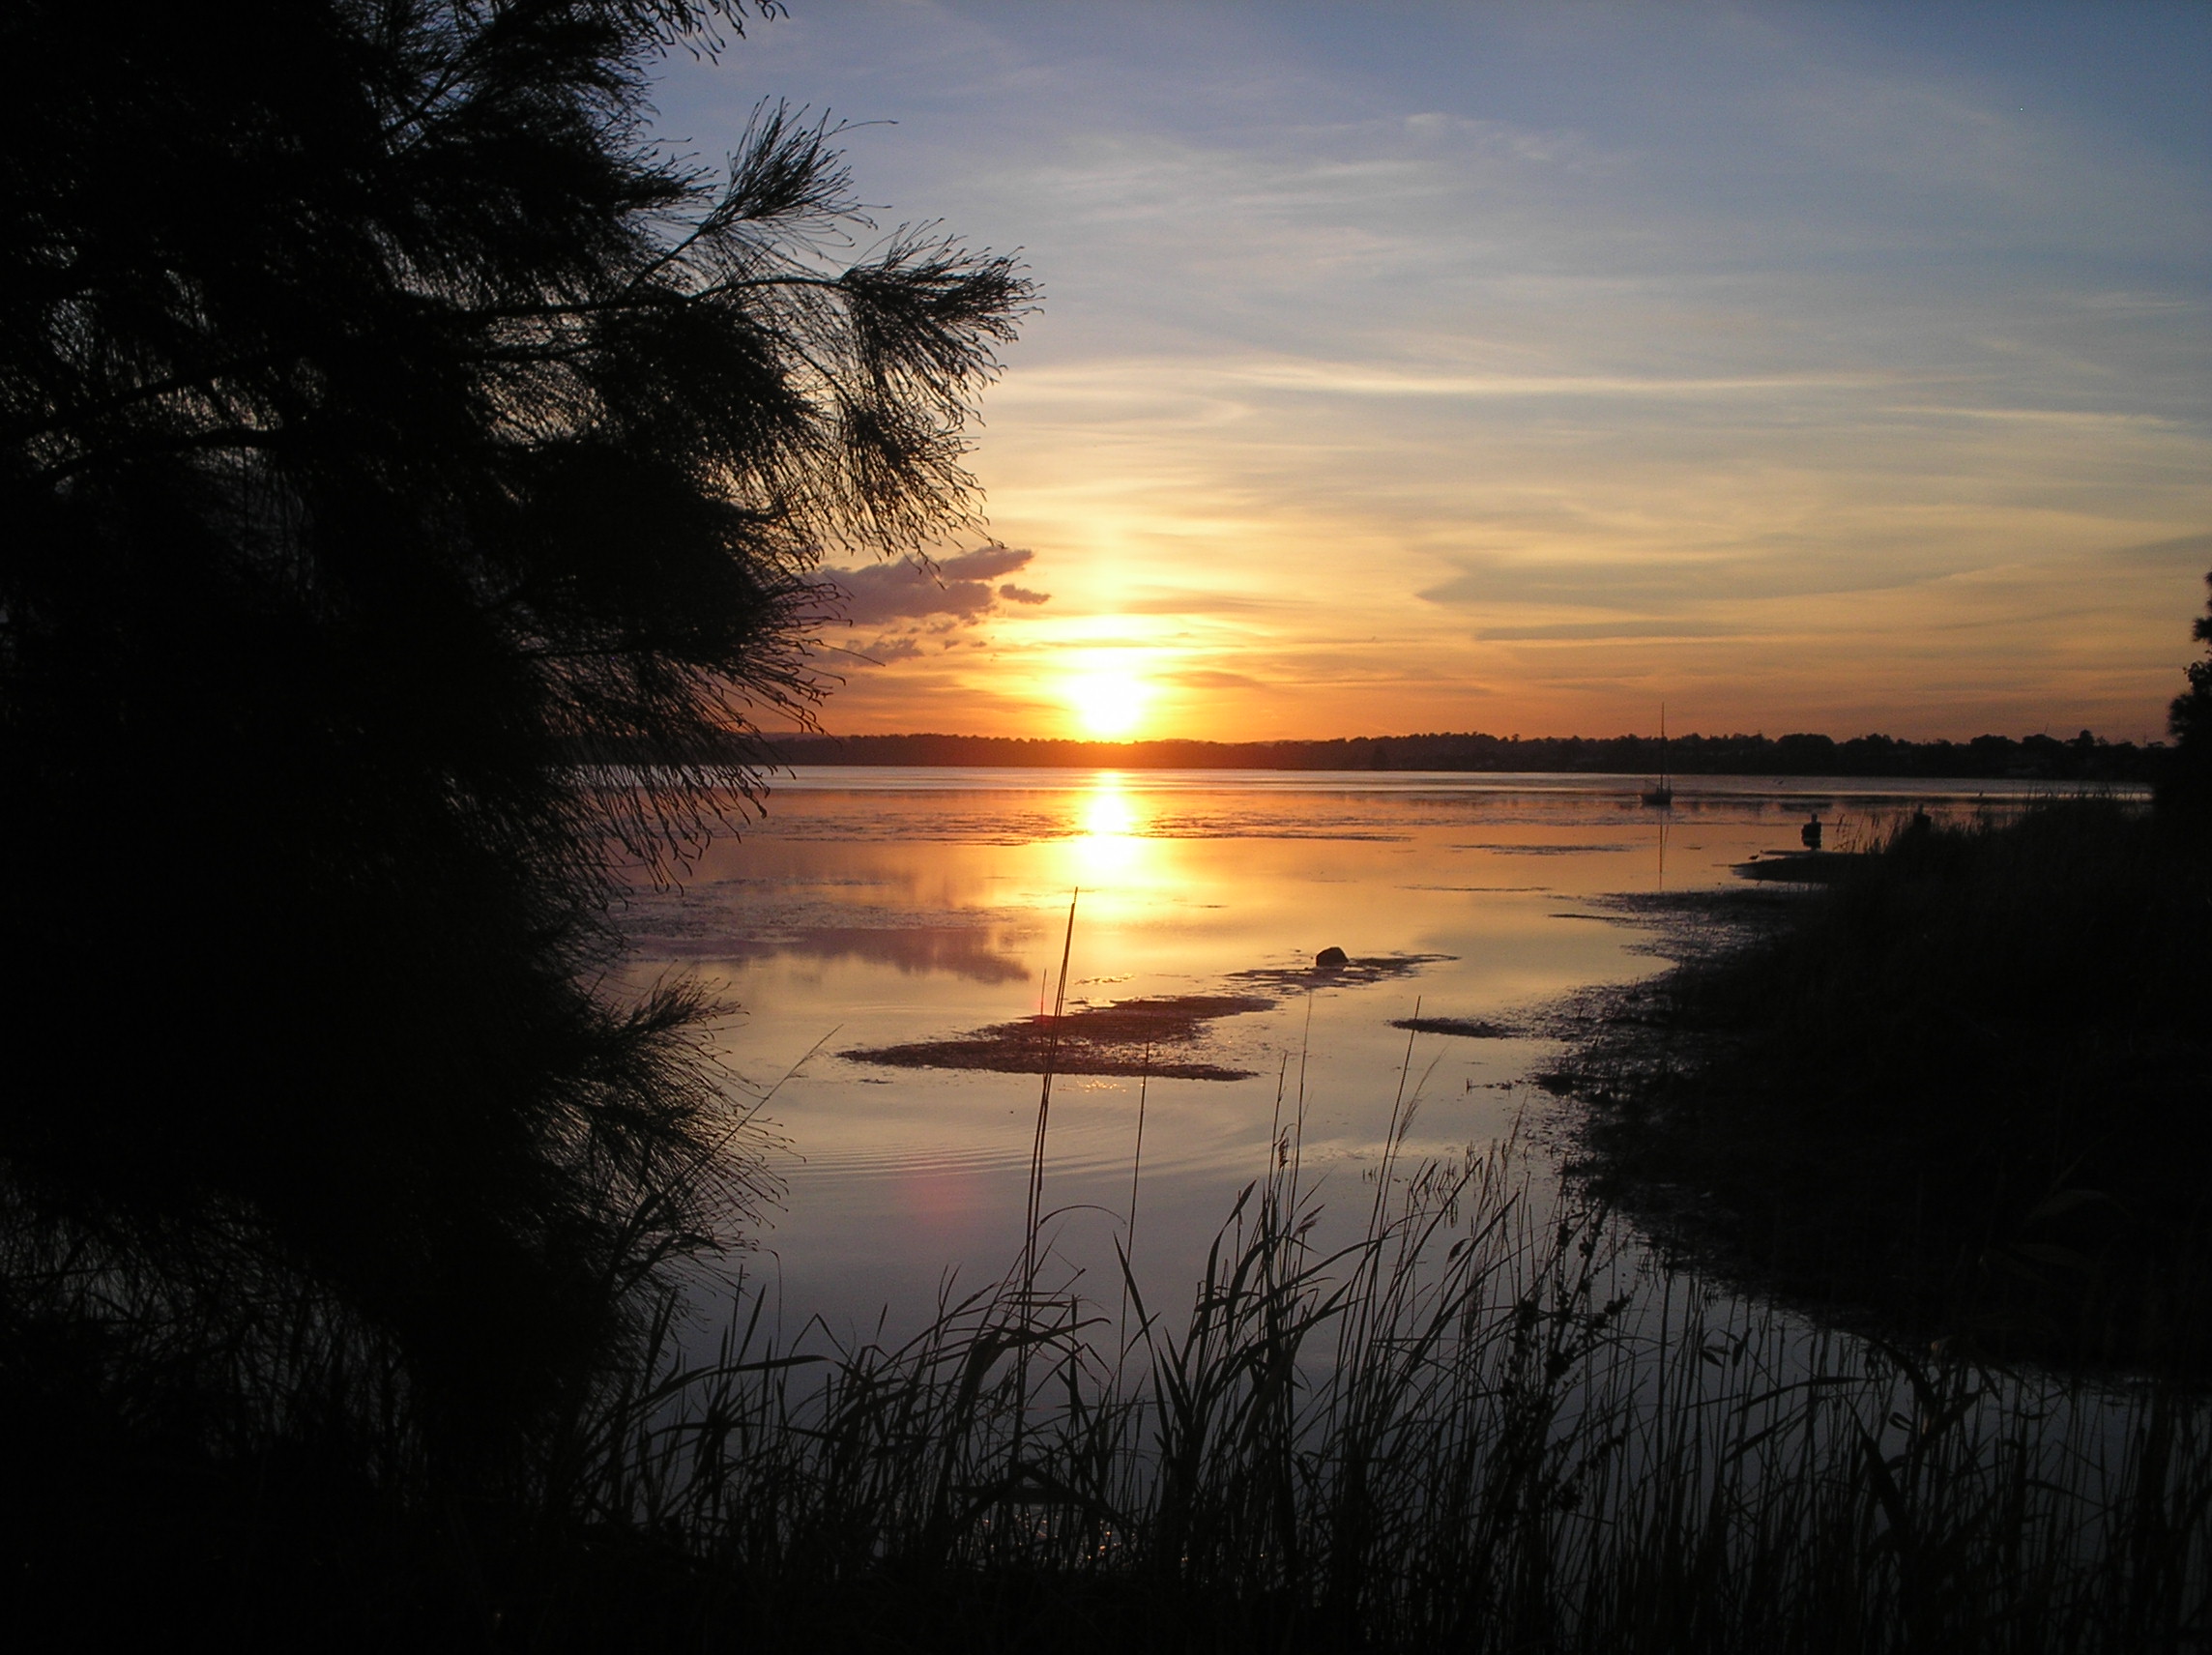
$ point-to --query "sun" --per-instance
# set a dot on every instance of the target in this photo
(1107, 704)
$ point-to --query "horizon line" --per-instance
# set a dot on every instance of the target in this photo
(2039, 735)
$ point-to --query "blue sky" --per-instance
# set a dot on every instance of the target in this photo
(1417, 367)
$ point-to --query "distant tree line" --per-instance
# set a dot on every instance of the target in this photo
(2038, 758)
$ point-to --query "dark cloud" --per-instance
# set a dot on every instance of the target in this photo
(884, 651)
(1023, 595)
(906, 591)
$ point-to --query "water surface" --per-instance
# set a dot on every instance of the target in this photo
(879, 907)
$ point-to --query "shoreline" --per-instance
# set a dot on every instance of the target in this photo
(1950, 1093)
(2033, 759)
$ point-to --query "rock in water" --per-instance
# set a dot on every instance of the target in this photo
(1330, 959)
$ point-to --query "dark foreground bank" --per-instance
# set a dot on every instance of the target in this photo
(1466, 1432)
(1965, 1087)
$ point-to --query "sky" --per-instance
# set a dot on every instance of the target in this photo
(1522, 368)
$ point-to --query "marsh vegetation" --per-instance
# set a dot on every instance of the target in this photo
(1484, 1424)
(1965, 1086)
(400, 448)
(1487, 1422)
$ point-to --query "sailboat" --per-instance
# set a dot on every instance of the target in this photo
(1662, 796)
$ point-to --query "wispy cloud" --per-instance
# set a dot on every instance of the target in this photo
(1803, 364)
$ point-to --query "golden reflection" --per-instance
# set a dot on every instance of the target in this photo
(1107, 812)
(1111, 844)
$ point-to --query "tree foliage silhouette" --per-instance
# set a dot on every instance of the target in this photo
(2189, 721)
(400, 448)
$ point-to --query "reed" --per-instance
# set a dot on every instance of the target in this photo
(1485, 1419)
(1487, 1422)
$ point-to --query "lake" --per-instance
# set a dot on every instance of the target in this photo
(881, 908)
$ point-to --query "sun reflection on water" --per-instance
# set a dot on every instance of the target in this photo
(1111, 847)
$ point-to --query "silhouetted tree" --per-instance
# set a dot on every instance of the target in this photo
(2188, 790)
(413, 479)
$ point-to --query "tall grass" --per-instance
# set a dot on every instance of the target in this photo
(1486, 1423)
(1485, 1420)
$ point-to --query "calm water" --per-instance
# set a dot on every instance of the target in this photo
(883, 906)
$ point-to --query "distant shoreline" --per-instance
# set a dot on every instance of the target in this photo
(2032, 758)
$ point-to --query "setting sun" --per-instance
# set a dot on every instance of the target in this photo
(1107, 704)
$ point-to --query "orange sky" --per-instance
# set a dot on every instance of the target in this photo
(1519, 368)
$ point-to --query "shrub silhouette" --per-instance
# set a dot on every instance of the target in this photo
(2187, 788)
